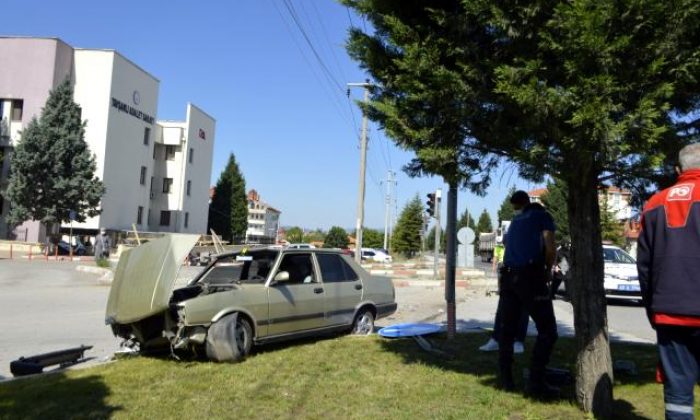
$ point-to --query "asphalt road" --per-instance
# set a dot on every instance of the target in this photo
(48, 306)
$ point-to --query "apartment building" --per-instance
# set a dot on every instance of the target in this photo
(618, 201)
(263, 221)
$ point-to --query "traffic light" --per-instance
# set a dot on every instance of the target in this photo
(430, 209)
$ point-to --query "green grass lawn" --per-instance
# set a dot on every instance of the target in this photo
(341, 377)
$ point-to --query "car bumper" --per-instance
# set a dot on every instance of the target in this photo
(621, 294)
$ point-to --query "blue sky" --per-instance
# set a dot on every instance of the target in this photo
(290, 125)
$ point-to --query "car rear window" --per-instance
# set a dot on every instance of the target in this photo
(334, 269)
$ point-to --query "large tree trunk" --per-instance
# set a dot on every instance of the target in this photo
(594, 374)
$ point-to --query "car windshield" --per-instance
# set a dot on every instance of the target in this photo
(618, 256)
(249, 267)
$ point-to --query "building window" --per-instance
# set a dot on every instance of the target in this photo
(146, 135)
(169, 152)
(165, 218)
(17, 108)
(139, 216)
(187, 219)
(167, 185)
(142, 179)
(151, 188)
(154, 151)
(189, 187)
(191, 157)
(148, 220)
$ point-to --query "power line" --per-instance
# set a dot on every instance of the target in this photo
(295, 18)
(334, 99)
(381, 150)
(324, 68)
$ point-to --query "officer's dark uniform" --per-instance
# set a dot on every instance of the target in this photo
(668, 261)
(524, 284)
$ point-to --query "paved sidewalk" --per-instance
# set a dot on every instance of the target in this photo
(476, 311)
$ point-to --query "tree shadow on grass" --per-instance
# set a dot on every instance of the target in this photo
(55, 396)
(462, 356)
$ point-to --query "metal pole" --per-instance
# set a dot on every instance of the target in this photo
(450, 267)
(363, 160)
(436, 255)
(70, 240)
(389, 180)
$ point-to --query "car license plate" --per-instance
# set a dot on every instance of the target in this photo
(628, 287)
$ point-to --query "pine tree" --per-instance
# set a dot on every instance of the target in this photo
(372, 238)
(505, 212)
(337, 237)
(554, 200)
(52, 171)
(484, 224)
(466, 220)
(407, 234)
(430, 239)
(228, 212)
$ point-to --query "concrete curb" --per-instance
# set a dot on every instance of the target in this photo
(482, 283)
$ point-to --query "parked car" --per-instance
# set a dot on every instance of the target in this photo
(65, 249)
(621, 280)
(241, 298)
(375, 255)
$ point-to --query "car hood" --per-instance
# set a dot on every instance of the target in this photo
(144, 278)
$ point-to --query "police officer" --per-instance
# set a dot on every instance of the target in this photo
(668, 261)
(530, 255)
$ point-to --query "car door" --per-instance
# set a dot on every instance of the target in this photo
(296, 304)
(343, 288)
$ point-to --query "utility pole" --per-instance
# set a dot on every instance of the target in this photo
(387, 210)
(436, 255)
(363, 160)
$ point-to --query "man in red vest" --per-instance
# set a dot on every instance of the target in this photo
(668, 260)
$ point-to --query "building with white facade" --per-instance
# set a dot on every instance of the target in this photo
(263, 221)
(156, 173)
(615, 200)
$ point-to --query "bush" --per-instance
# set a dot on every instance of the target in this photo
(103, 262)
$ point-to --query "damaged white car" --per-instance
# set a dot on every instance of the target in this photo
(240, 299)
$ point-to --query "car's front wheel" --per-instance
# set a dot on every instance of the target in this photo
(229, 339)
(364, 323)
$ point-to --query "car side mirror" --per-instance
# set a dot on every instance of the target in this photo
(281, 276)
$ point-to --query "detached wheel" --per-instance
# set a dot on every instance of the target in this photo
(229, 339)
(364, 323)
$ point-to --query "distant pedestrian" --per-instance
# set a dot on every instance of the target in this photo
(527, 269)
(521, 330)
(668, 261)
(561, 268)
(102, 245)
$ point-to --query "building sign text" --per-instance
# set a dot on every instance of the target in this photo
(123, 107)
